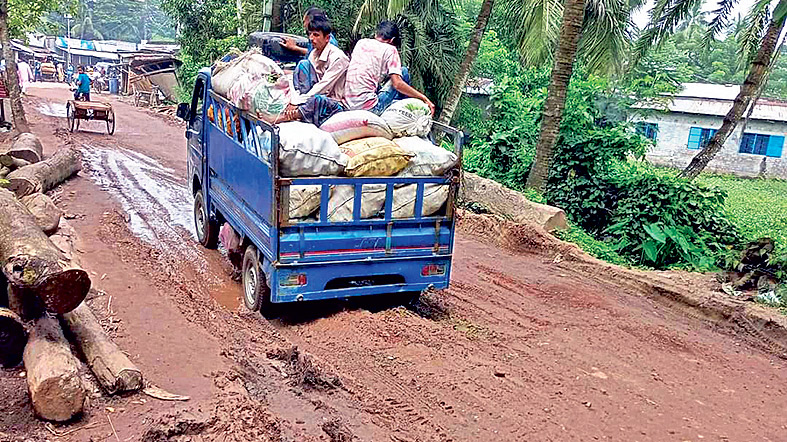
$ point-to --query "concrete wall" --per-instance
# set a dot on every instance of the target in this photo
(671, 145)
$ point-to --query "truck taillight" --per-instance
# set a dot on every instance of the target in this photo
(433, 270)
(293, 279)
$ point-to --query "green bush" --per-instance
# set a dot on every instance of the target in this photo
(590, 245)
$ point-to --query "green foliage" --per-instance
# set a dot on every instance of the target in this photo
(650, 217)
(590, 245)
(125, 20)
(668, 220)
(582, 177)
(208, 30)
(758, 208)
(29, 15)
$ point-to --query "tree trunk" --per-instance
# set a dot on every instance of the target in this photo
(112, 368)
(509, 203)
(11, 76)
(13, 338)
(45, 212)
(45, 175)
(571, 30)
(450, 104)
(33, 264)
(53, 381)
(26, 148)
(757, 72)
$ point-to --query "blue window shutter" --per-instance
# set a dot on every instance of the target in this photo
(775, 146)
(694, 137)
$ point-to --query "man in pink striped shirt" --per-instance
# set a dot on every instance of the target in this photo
(373, 62)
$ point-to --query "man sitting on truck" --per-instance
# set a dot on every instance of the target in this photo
(310, 14)
(317, 96)
(376, 62)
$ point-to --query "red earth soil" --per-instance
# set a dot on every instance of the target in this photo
(519, 348)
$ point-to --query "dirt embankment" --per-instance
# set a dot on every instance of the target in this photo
(532, 341)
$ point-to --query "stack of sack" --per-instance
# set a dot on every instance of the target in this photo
(361, 144)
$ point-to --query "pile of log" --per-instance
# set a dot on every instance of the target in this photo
(43, 288)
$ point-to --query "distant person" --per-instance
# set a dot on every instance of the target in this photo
(25, 75)
(69, 74)
(37, 70)
(310, 14)
(83, 85)
(318, 83)
(376, 77)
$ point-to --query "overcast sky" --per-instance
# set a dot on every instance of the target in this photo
(641, 17)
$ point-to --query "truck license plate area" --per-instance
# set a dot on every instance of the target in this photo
(363, 281)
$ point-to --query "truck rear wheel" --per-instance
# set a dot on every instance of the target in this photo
(255, 290)
(207, 229)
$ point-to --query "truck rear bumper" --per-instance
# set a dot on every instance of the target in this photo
(312, 282)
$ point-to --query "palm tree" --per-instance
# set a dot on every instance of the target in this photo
(452, 100)
(667, 14)
(571, 31)
(597, 31)
(11, 77)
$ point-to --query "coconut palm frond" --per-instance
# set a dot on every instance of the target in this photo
(536, 28)
(750, 37)
(720, 21)
(665, 16)
(606, 35)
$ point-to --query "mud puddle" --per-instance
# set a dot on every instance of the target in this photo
(52, 109)
(158, 209)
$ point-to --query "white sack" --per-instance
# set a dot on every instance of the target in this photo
(435, 196)
(308, 151)
(410, 117)
(251, 63)
(429, 160)
(304, 200)
(340, 206)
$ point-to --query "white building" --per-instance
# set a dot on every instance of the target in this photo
(696, 112)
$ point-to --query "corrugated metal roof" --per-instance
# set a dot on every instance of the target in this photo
(716, 100)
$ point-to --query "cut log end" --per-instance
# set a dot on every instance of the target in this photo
(64, 291)
(56, 398)
(13, 338)
(129, 379)
(22, 187)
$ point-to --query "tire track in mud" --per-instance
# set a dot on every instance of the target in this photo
(158, 205)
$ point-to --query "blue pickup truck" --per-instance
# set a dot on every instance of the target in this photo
(234, 177)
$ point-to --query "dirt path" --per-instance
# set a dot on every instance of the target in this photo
(519, 348)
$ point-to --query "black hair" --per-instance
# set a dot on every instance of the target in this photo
(320, 24)
(387, 30)
(314, 12)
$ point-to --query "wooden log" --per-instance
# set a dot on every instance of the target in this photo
(44, 175)
(44, 210)
(26, 147)
(13, 338)
(510, 204)
(53, 381)
(33, 264)
(112, 368)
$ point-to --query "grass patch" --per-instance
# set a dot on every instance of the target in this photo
(590, 245)
(758, 207)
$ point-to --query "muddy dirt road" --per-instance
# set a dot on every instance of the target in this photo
(518, 349)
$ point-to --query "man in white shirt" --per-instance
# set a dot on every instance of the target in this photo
(376, 62)
(320, 82)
